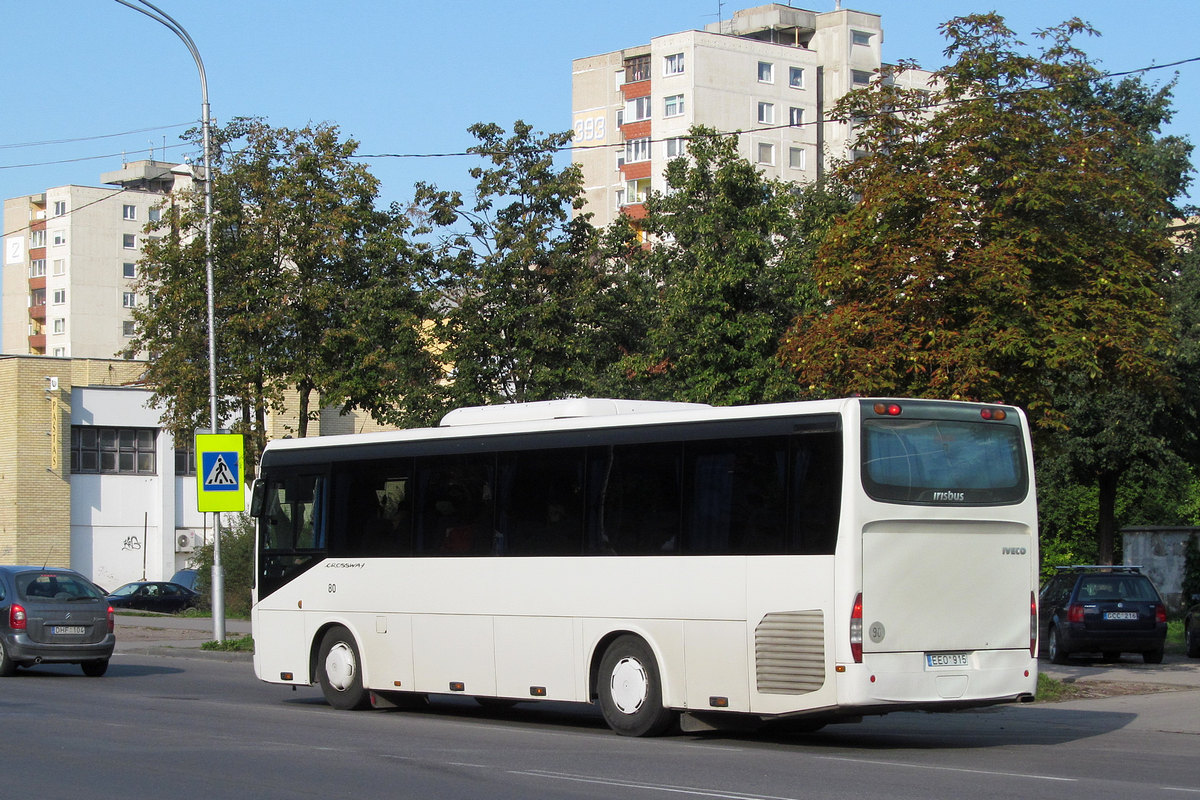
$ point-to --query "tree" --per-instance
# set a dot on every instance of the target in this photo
(1010, 245)
(1010, 238)
(312, 286)
(729, 262)
(525, 301)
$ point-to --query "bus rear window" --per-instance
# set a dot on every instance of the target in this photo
(943, 462)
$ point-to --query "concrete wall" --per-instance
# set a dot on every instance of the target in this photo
(1160, 551)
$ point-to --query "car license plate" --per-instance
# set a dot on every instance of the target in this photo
(1120, 615)
(945, 659)
(68, 630)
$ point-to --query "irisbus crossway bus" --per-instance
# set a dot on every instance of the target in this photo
(812, 561)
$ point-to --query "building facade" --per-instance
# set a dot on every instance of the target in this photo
(771, 72)
(70, 261)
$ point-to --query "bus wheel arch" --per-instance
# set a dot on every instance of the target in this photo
(337, 667)
(627, 683)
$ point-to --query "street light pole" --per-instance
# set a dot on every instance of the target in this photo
(161, 17)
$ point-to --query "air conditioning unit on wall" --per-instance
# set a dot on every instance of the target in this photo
(185, 541)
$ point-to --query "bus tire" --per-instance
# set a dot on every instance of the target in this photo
(630, 689)
(339, 671)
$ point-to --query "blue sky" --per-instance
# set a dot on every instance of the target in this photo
(405, 77)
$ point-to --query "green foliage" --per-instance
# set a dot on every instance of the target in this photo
(729, 262)
(526, 308)
(1191, 569)
(237, 562)
(233, 644)
(1008, 240)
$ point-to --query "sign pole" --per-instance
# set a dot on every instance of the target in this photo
(220, 486)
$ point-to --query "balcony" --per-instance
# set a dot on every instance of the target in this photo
(38, 312)
(37, 344)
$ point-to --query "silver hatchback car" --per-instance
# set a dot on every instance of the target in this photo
(53, 616)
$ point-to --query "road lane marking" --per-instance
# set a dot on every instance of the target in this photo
(694, 791)
(1028, 776)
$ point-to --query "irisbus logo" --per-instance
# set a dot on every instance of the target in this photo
(1013, 551)
(950, 497)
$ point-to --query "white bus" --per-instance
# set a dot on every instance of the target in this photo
(818, 561)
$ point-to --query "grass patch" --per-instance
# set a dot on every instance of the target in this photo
(232, 644)
(1052, 690)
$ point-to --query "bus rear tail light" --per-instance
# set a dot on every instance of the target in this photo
(888, 409)
(856, 630)
(993, 413)
(16, 617)
(1033, 625)
(1075, 612)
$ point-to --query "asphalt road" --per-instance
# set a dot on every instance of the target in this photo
(165, 721)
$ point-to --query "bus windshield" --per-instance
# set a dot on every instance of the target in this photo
(943, 462)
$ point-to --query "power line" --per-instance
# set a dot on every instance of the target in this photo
(96, 137)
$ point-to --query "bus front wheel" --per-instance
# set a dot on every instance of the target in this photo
(339, 670)
(630, 689)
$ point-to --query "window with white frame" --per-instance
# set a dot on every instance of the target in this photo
(60, 266)
(154, 214)
(766, 113)
(620, 196)
(129, 270)
(766, 153)
(60, 325)
(795, 116)
(37, 268)
(60, 296)
(637, 150)
(796, 77)
(37, 238)
(860, 77)
(638, 109)
(129, 212)
(37, 297)
(797, 158)
(128, 328)
(673, 105)
(766, 72)
(58, 238)
(60, 208)
(128, 299)
(636, 191)
(129, 241)
(860, 37)
(59, 352)
(675, 147)
(673, 64)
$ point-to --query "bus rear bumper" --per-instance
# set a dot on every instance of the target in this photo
(910, 679)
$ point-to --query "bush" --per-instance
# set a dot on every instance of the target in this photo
(237, 561)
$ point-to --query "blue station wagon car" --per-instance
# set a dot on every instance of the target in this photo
(53, 616)
(1102, 609)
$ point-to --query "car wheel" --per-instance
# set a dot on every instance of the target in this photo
(1153, 656)
(94, 669)
(1054, 647)
(339, 670)
(631, 691)
(1193, 640)
(7, 665)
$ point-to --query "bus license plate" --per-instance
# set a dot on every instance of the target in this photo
(68, 630)
(1120, 615)
(945, 659)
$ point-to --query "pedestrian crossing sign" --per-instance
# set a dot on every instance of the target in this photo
(220, 482)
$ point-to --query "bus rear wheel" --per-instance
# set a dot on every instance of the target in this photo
(339, 671)
(630, 689)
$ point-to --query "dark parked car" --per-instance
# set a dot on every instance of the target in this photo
(53, 616)
(161, 596)
(1101, 609)
(186, 577)
(1191, 630)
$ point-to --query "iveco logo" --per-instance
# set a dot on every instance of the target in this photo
(1013, 551)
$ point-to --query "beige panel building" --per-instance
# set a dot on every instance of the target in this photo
(771, 72)
(70, 261)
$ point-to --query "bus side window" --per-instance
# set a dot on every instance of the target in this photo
(293, 514)
(540, 511)
(637, 508)
(738, 496)
(816, 492)
(455, 505)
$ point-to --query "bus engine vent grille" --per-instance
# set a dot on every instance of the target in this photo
(789, 652)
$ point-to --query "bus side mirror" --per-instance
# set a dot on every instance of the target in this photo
(257, 494)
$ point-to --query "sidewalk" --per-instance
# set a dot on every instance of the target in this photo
(1176, 671)
(163, 634)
